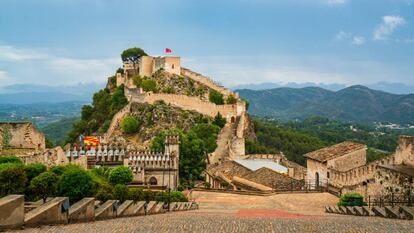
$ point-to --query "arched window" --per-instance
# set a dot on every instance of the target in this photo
(153, 181)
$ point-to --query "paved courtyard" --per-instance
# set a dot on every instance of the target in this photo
(239, 213)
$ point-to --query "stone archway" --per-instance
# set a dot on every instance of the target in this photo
(153, 181)
(232, 119)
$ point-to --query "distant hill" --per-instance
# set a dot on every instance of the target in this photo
(33, 93)
(395, 88)
(355, 103)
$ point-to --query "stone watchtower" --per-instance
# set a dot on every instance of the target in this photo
(172, 150)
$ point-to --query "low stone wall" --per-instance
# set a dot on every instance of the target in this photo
(11, 212)
(207, 81)
(58, 211)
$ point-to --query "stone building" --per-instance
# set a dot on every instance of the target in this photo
(146, 66)
(340, 157)
(251, 175)
(21, 135)
(391, 174)
(150, 169)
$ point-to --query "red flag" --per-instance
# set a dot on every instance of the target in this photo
(168, 50)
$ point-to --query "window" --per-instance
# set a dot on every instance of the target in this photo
(327, 175)
(172, 66)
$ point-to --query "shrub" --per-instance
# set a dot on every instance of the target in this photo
(120, 175)
(34, 169)
(44, 185)
(231, 99)
(121, 192)
(58, 170)
(131, 52)
(10, 159)
(351, 199)
(216, 97)
(76, 184)
(149, 85)
(130, 125)
(136, 194)
(219, 120)
(177, 196)
(12, 178)
(137, 80)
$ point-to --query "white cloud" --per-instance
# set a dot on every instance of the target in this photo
(387, 26)
(334, 2)
(3, 75)
(10, 53)
(358, 40)
(46, 67)
(350, 38)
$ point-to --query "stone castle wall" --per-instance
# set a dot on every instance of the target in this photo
(184, 102)
(207, 82)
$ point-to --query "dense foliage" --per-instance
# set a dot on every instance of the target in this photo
(351, 199)
(195, 145)
(57, 131)
(296, 138)
(231, 99)
(96, 117)
(149, 85)
(219, 120)
(44, 185)
(216, 97)
(120, 175)
(71, 181)
(132, 52)
(130, 125)
(352, 104)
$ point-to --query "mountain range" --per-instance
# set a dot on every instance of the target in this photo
(354, 104)
(395, 88)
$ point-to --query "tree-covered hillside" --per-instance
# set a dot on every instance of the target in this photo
(352, 104)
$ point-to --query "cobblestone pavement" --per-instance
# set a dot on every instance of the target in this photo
(238, 213)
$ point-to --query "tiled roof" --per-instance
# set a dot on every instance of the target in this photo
(334, 151)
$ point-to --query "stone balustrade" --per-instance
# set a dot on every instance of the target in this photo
(58, 211)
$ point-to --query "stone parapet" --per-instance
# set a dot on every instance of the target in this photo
(107, 210)
(52, 212)
(83, 210)
(11, 212)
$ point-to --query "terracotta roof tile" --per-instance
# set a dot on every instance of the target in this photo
(334, 151)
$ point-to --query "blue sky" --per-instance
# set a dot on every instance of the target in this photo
(64, 42)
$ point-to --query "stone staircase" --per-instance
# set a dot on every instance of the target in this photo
(116, 120)
(396, 212)
(223, 141)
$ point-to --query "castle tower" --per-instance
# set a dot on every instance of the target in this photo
(172, 150)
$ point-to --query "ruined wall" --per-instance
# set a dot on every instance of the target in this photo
(349, 161)
(50, 157)
(404, 153)
(23, 136)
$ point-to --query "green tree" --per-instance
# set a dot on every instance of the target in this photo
(137, 80)
(118, 100)
(10, 159)
(133, 52)
(44, 185)
(149, 85)
(120, 175)
(216, 97)
(121, 192)
(76, 184)
(136, 194)
(219, 120)
(12, 179)
(130, 125)
(34, 169)
(231, 99)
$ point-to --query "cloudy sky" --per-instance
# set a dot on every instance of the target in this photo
(64, 42)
